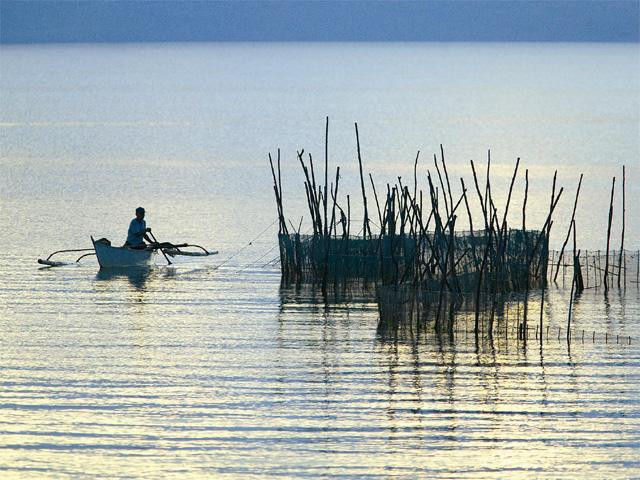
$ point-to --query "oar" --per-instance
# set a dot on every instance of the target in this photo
(165, 255)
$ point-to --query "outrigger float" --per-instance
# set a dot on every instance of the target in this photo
(124, 257)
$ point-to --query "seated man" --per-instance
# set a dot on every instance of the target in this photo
(138, 230)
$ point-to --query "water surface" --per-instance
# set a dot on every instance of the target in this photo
(194, 371)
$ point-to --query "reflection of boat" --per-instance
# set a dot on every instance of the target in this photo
(137, 277)
(118, 257)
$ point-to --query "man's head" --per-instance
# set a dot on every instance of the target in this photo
(139, 213)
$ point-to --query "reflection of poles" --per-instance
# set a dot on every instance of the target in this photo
(524, 327)
(573, 282)
(544, 285)
(479, 286)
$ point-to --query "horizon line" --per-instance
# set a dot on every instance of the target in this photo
(311, 41)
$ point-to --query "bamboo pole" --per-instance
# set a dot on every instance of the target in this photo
(280, 189)
(503, 239)
(311, 196)
(487, 188)
(348, 217)
(622, 235)
(311, 209)
(586, 261)
(513, 179)
(577, 271)
(606, 260)
(415, 175)
(277, 186)
(446, 176)
(334, 195)
(466, 203)
(275, 189)
(524, 204)
(573, 215)
(547, 225)
(375, 196)
(317, 196)
(548, 235)
(365, 225)
(326, 170)
(444, 192)
(482, 203)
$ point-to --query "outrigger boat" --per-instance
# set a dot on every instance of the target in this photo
(124, 257)
(121, 257)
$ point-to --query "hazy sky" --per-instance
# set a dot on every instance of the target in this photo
(26, 21)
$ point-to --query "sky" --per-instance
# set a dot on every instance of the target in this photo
(46, 21)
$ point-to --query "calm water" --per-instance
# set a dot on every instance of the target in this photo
(194, 371)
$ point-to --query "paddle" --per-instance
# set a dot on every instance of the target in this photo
(165, 255)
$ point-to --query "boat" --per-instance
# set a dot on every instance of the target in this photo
(122, 257)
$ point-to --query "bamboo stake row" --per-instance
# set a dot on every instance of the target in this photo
(416, 242)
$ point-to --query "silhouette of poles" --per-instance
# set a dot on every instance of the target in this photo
(620, 267)
(573, 216)
(606, 260)
(524, 203)
(326, 172)
(365, 225)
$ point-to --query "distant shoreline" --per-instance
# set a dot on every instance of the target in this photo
(321, 42)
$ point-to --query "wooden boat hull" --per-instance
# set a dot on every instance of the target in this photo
(121, 257)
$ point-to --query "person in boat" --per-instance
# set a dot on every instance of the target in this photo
(138, 230)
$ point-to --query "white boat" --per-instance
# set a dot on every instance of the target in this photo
(124, 257)
(118, 257)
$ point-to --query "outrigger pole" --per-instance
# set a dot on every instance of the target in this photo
(53, 263)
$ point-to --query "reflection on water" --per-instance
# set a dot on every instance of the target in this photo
(506, 408)
(407, 314)
(235, 374)
(345, 292)
(137, 277)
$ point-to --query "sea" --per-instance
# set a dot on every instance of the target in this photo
(212, 367)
